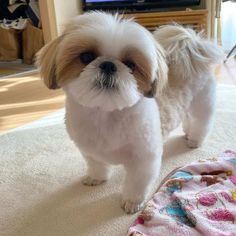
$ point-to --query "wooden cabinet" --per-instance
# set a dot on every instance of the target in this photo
(151, 20)
(55, 13)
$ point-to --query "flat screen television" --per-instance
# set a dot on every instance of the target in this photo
(136, 5)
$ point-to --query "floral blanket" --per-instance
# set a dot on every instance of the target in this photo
(198, 199)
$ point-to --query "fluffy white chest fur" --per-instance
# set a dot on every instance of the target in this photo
(119, 137)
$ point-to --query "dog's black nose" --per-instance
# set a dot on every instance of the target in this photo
(108, 67)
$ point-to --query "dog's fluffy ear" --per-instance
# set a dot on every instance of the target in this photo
(162, 70)
(153, 91)
(46, 62)
(161, 73)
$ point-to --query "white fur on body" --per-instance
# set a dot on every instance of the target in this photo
(189, 96)
(130, 137)
(191, 104)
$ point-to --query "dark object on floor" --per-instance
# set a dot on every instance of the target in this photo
(20, 11)
(21, 8)
(230, 53)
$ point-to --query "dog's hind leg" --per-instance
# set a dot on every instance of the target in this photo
(201, 114)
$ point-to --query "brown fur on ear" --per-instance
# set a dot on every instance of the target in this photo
(159, 83)
(142, 71)
(46, 62)
(162, 70)
(152, 92)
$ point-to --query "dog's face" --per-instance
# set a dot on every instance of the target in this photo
(104, 61)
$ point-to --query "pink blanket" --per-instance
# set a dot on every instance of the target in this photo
(198, 199)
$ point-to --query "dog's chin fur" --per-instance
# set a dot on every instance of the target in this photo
(116, 123)
(124, 93)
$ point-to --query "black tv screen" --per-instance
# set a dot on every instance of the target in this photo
(136, 4)
(101, 1)
(94, 1)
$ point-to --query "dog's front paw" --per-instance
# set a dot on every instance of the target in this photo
(89, 181)
(193, 143)
(131, 207)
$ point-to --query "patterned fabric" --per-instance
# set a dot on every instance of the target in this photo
(198, 199)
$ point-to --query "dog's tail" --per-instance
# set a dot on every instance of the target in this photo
(187, 50)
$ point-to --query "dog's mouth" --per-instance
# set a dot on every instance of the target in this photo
(106, 82)
(106, 79)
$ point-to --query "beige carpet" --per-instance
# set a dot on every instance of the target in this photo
(40, 171)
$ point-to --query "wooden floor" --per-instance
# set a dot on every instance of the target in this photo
(24, 99)
(226, 73)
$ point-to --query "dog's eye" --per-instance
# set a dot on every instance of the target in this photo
(129, 64)
(87, 57)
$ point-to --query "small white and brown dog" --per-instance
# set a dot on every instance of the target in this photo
(115, 76)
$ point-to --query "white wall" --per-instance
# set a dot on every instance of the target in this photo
(64, 11)
(228, 25)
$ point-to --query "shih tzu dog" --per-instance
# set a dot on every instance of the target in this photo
(115, 76)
